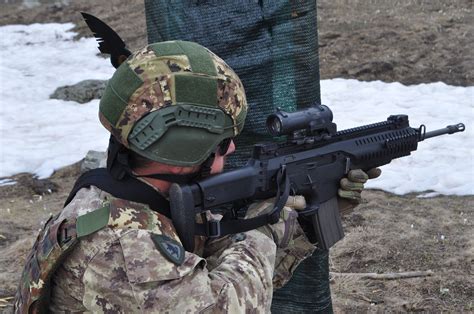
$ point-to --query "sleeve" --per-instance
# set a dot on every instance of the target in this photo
(132, 275)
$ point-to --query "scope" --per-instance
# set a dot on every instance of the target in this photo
(315, 119)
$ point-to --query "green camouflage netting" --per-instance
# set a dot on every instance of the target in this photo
(273, 46)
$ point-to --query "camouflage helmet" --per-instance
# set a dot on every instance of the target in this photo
(174, 102)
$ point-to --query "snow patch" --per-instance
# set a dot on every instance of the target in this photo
(442, 164)
(4, 182)
(40, 135)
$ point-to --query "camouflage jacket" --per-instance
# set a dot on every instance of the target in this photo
(121, 268)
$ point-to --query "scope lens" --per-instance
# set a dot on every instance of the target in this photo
(275, 126)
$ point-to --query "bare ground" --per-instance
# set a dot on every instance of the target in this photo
(390, 233)
(408, 41)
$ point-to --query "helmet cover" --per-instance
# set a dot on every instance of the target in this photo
(174, 102)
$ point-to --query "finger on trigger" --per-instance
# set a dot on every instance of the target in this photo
(374, 173)
(358, 175)
(297, 202)
(346, 184)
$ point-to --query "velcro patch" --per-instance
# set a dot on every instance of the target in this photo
(92, 221)
(170, 248)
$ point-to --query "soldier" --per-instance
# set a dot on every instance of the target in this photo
(174, 107)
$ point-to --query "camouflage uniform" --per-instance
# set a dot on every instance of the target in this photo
(133, 260)
(120, 269)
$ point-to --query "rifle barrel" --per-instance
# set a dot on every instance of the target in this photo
(450, 129)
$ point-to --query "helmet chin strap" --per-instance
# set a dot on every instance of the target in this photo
(118, 159)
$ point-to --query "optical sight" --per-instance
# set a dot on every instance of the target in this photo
(314, 120)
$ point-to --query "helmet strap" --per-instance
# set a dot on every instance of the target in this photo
(118, 159)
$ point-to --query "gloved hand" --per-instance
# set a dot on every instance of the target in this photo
(351, 188)
(283, 231)
(292, 244)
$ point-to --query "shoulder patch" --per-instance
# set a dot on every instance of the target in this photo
(170, 248)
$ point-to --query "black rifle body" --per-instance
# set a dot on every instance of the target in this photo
(313, 166)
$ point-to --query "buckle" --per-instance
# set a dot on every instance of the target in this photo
(64, 237)
(213, 229)
(66, 232)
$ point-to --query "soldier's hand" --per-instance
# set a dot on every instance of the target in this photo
(351, 188)
(283, 231)
(292, 244)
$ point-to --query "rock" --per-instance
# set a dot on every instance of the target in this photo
(70, 171)
(31, 184)
(43, 186)
(94, 159)
(81, 92)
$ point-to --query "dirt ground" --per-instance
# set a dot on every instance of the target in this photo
(407, 41)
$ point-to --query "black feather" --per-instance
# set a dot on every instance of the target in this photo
(109, 41)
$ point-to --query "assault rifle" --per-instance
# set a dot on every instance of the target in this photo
(310, 162)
